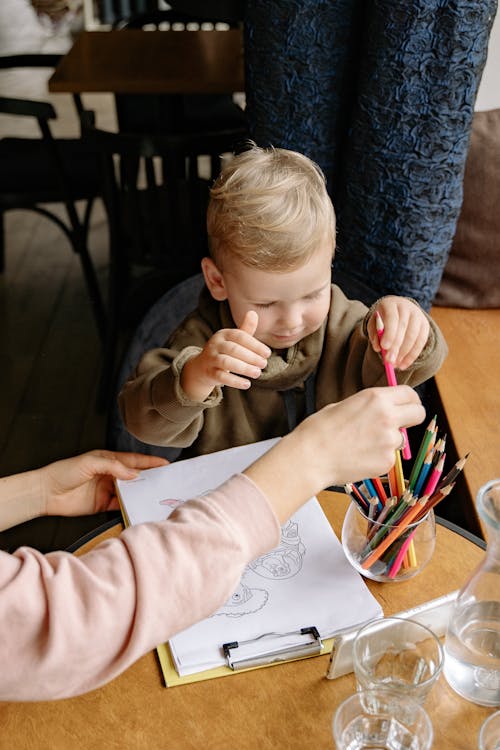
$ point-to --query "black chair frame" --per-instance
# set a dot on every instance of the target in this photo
(156, 205)
(76, 230)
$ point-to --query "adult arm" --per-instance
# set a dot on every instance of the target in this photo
(77, 486)
(71, 624)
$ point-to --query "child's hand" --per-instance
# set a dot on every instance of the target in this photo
(406, 330)
(230, 357)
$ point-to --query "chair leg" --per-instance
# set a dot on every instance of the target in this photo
(78, 234)
(116, 284)
(2, 243)
(92, 287)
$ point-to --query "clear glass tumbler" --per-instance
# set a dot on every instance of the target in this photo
(381, 719)
(360, 537)
(489, 734)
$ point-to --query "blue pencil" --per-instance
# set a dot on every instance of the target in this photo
(372, 492)
(426, 467)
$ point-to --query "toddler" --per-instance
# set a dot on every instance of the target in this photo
(272, 339)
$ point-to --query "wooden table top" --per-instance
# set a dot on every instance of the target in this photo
(468, 386)
(284, 706)
(134, 61)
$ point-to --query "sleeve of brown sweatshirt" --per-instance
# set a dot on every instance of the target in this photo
(70, 624)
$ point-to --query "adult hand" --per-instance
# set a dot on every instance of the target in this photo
(230, 357)
(344, 442)
(84, 484)
(406, 330)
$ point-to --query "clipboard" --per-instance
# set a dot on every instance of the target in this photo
(239, 657)
(276, 590)
(172, 678)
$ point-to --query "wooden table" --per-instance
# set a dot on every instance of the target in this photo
(469, 391)
(152, 62)
(284, 706)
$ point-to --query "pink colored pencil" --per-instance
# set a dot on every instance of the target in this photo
(391, 379)
(401, 554)
(435, 476)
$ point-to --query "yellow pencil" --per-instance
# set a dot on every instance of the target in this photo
(400, 479)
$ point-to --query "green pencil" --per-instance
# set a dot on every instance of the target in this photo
(422, 451)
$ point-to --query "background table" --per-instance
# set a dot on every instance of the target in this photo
(284, 706)
(469, 396)
(153, 62)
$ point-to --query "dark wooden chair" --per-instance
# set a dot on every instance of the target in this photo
(156, 198)
(44, 173)
(159, 322)
(181, 113)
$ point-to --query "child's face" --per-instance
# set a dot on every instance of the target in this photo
(290, 305)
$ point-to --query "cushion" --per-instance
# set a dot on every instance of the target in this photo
(472, 274)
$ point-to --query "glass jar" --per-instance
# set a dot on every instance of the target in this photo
(472, 646)
(359, 534)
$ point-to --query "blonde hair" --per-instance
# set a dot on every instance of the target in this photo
(270, 209)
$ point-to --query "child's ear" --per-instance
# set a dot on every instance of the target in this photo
(213, 279)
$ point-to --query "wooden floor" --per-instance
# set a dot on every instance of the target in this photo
(49, 348)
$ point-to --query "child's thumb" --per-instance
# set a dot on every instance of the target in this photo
(250, 322)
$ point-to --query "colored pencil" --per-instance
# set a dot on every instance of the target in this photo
(422, 452)
(435, 476)
(424, 471)
(394, 534)
(454, 472)
(434, 500)
(393, 485)
(392, 516)
(379, 487)
(398, 561)
(372, 492)
(400, 478)
(391, 378)
(356, 496)
(391, 502)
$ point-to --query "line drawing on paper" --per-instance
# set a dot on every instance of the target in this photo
(285, 560)
(282, 562)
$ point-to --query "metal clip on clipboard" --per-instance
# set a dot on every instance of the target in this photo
(311, 645)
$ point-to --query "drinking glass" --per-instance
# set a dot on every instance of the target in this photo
(382, 719)
(360, 535)
(397, 653)
(489, 735)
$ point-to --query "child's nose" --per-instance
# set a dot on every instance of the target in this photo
(291, 318)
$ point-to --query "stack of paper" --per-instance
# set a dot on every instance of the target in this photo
(306, 581)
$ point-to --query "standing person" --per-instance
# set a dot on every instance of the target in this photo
(69, 624)
(272, 339)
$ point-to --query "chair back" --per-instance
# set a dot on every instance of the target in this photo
(153, 331)
(156, 199)
(37, 172)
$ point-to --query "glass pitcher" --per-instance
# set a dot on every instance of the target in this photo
(472, 646)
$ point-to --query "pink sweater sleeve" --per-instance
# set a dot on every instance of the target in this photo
(70, 624)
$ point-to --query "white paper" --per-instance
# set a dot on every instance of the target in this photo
(306, 581)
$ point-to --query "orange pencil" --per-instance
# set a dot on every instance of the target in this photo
(396, 532)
